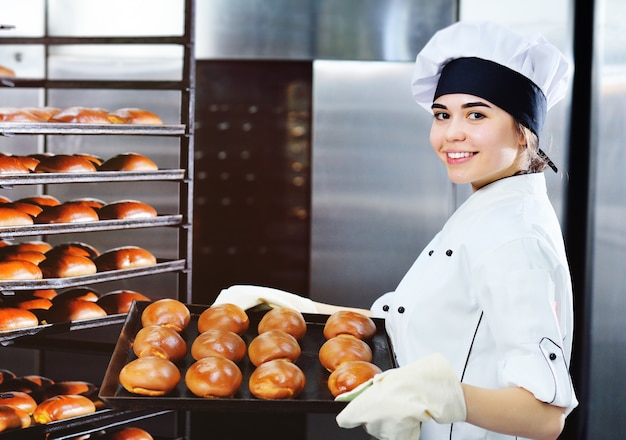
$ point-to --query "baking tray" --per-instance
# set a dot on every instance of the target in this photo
(8, 180)
(315, 398)
(161, 266)
(63, 128)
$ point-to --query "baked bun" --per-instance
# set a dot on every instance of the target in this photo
(351, 323)
(81, 115)
(271, 345)
(42, 200)
(343, 348)
(29, 161)
(74, 248)
(77, 387)
(45, 293)
(149, 376)
(285, 319)
(224, 317)
(12, 417)
(159, 341)
(38, 380)
(6, 72)
(126, 209)
(127, 433)
(217, 342)
(92, 202)
(124, 257)
(74, 310)
(20, 384)
(63, 407)
(19, 399)
(349, 375)
(277, 379)
(129, 162)
(26, 208)
(14, 217)
(132, 115)
(167, 312)
(29, 302)
(17, 114)
(213, 376)
(65, 163)
(64, 266)
(12, 165)
(68, 212)
(31, 256)
(43, 113)
(19, 270)
(120, 301)
(84, 293)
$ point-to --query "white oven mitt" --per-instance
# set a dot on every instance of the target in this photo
(393, 404)
(246, 296)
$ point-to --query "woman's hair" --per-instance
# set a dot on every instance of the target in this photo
(536, 162)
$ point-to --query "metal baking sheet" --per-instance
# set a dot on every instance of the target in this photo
(316, 398)
(8, 232)
(8, 180)
(99, 277)
(62, 128)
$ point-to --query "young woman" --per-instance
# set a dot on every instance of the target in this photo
(482, 323)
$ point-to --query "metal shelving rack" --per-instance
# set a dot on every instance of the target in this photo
(183, 220)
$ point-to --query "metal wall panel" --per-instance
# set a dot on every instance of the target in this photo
(318, 29)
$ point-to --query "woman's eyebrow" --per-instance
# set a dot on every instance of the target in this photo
(435, 105)
(476, 104)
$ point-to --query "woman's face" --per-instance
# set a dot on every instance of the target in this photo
(477, 141)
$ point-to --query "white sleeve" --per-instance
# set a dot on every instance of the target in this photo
(380, 307)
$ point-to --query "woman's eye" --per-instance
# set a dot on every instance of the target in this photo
(476, 115)
(441, 115)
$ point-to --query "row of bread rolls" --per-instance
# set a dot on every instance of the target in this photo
(46, 306)
(74, 163)
(29, 211)
(79, 115)
(35, 260)
(34, 399)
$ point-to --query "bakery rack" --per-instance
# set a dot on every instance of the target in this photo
(182, 220)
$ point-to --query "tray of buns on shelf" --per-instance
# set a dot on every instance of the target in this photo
(48, 311)
(193, 357)
(80, 115)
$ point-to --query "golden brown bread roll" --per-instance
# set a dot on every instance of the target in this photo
(127, 433)
(129, 162)
(44, 293)
(271, 345)
(84, 293)
(224, 317)
(28, 161)
(285, 319)
(43, 113)
(19, 399)
(149, 376)
(19, 270)
(92, 202)
(277, 379)
(17, 114)
(77, 387)
(31, 256)
(124, 257)
(12, 165)
(65, 163)
(68, 212)
(14, 217)
(159, 341)
(29, 302)
(213, 376)
(74, 310)
(167, 312)
(38, 380)
(26, 208)
(65, 266)
(81, 115)
(349, 375)
(131, 115)
(20, 384)
(218, 342)
(74, 248)
(63, 407)
(120, 301)
(343, 348)
(351, 323)
(42, 200)
(126, 209)
(13, 418)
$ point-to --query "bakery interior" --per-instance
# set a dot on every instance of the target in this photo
(289, 141)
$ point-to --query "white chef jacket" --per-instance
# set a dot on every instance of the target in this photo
(492, 293)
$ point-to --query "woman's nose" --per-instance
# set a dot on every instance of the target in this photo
(454, 130)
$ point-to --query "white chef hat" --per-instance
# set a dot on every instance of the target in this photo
(524, 76)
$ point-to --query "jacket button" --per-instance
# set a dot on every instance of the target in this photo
(386, 308)
(401, 309)
(552, 356)
(449, 252)
(430, 253)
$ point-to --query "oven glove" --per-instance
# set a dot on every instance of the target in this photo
(394, 403)
(248, 296)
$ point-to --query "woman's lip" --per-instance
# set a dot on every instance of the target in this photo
(459, 157)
